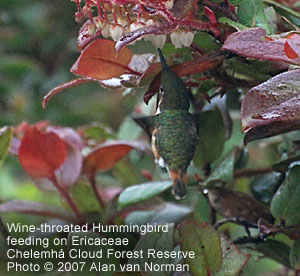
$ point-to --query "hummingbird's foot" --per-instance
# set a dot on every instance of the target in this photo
(164, 169)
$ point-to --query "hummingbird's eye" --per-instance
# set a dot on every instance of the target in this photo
(161, 90)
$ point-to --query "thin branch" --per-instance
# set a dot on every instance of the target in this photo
(93, 183)
(252, 172)
(65, 194)
(61, 87)
(245, 240)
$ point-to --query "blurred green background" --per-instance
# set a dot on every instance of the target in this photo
(37, 49)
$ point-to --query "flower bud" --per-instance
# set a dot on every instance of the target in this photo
(116, 32)
(181, 38)
(91, 29)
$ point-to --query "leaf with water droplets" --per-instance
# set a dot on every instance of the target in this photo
(272, 107)
(254, 43)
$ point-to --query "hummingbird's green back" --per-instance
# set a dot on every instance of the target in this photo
(173, 91)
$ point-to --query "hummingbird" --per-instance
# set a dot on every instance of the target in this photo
(173, 130)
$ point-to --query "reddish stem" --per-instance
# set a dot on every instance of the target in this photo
(88, 4)
(252, 172)
(78, 6)
(226, 11)
(61, 87)
(99, 10)
(127, 15)
(65, 194)
(93, 183)
(105, 12)
(113, 12)
(130, 71)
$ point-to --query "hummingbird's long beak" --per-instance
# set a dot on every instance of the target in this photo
(162, 59)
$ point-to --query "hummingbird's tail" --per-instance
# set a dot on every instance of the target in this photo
(179, 183)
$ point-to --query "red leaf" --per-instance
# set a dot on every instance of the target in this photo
(153, 88)
(254, 43)
(290, 52)
(198, 64)
(69, 171)
(99, 61)
(210, 15)
(147, 174)
(272, 107)
(41, 153)
(106, 155)
(108, 194)
(150, 73)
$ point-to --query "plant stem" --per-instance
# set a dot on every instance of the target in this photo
(252, 172)
(65, 194)
(92, 181)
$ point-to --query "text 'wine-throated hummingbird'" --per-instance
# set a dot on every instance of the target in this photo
(173, 130)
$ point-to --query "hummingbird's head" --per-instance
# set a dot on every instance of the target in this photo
(173, 93)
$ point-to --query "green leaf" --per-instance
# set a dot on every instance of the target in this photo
(251, 13)
(283, 165)
(5, 138)
(205, 242)
(238, 26)
(264, 186)
(202, 209)
(235, 140)
(205, 41)
(285, 11)
(84, 198)
(274, 250)
(99, 133)
(159, 241)
(295, 255)
(248, 71)
(223, 172)
(129, 130)
(141, 192)
(211, 137)
(233, 259)
(170, 213)
(285, 204)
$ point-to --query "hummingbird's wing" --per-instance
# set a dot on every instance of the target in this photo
(147, 123)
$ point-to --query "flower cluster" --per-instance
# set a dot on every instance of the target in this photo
(148, 19)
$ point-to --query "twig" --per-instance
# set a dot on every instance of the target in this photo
(251, 172)
(64, 193)
(245, 240)
(92, 181)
